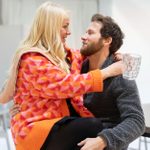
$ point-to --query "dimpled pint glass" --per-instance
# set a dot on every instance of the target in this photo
(132, 63)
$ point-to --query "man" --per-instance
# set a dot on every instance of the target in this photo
(118, 105)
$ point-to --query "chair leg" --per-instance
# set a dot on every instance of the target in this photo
(140, 140)
(4, 124)
(145, 142)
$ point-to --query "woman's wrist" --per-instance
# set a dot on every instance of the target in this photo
(105, 73)
(114, 69)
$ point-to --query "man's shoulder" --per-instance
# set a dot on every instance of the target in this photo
(120, 83)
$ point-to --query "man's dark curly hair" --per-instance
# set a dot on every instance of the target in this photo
(110, 29)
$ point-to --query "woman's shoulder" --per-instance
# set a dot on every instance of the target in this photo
(33, 59)
(33, 55)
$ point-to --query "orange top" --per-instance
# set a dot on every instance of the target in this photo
(41, 91)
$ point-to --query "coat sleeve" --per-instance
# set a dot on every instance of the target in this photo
(46, 80)
(132, 123)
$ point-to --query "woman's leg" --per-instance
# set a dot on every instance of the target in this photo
(67, 135)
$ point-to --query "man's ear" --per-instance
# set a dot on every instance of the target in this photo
(107, 41)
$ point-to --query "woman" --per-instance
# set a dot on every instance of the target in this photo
(43, 75)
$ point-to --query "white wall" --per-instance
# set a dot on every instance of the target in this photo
(134, 18)
(9, 39)
(21, 12)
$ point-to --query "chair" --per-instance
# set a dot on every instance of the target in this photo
(146, 109)
(3, 113)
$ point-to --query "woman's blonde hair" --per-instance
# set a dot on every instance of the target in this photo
(45, 33)
(44, 37)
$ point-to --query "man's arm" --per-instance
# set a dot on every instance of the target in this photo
(132, 123)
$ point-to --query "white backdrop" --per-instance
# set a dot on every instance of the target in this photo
(134, 18)
(21, 12)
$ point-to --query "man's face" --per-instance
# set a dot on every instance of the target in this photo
(92, 41)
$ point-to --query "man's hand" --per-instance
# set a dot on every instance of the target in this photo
(92, 144)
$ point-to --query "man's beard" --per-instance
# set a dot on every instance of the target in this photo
(92, 48)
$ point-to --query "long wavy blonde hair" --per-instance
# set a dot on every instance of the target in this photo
(45, 33)
(44, 37)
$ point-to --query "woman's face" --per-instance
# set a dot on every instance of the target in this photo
(64, 32)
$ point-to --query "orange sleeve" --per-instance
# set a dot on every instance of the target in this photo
(97, 83)
(49, 81)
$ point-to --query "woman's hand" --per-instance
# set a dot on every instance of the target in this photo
(15, 109)
(118, 56)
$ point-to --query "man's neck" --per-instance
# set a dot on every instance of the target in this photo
(96, 61)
